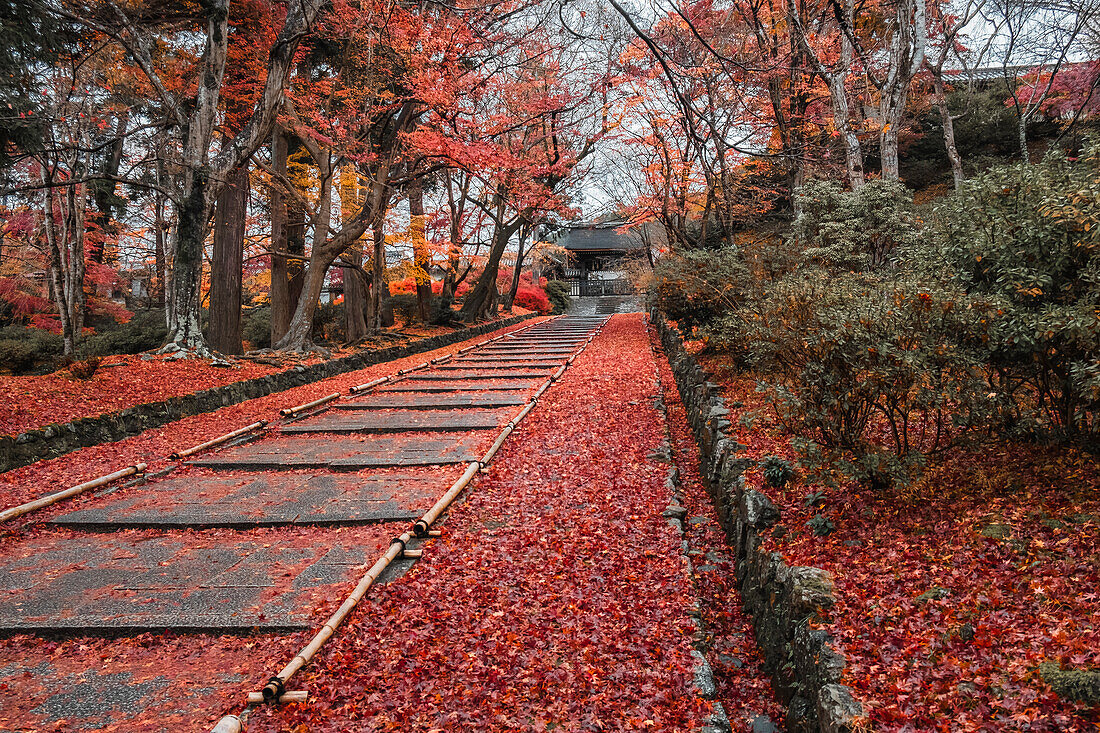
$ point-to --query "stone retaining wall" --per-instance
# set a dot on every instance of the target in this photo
(58, 439)
(785, 602)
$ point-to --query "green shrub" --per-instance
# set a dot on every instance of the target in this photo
(1025, 239)
(855, 231)
(558, 293)
(821, 525)
(256, 327)
(144, 331)
(329, 323)
(442, 313)
(865, 372)
(22, 349)
(698, 287)
(406, 306)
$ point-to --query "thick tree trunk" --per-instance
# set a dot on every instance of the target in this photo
(190, 235)
(513, 287)
(355, 295)
(853, 151)
(225, 267)
(378, 276)
(299, 336)
(355, 285)
(280, 279)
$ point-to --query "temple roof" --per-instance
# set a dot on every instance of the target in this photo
(599, 238)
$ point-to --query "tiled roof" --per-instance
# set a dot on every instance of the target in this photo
(600, 238)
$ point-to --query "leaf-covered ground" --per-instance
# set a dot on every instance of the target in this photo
(125, 381)
(743, 686)
(155, 445)
(952, 592)
(557, 598)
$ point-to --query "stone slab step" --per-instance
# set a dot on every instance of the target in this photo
(471, 385)
(439, 401)
(258, 500)
(339, 453)
(399, 421)
(102, 583)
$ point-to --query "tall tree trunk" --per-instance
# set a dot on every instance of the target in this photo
(355, 289)
(948, 131)
(160, 227)
(300, 332)
(422, 259)
(281, 303)
(225, 267)
(63, 224)
(378, 276)
(1021, 134)
(189, 236)
(104, 191)
(513, 288)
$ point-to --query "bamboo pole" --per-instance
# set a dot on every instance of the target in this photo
(181, 454)
(45, 501)
(288, 411)
(496, 444)
(290, 696)
(228, 724)
(271, 690)
(373, 383)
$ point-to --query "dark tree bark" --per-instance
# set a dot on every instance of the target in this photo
(481, 298)
(510, 298)
(378, 276)
(355, 283)
(225, 268)
(280, 284)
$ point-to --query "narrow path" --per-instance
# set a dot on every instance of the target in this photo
(558, 597)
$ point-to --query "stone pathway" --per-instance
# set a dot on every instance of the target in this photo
(268, 533)
(557, 598)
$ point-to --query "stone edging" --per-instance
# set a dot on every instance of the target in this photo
(58, 439)
(783, 601)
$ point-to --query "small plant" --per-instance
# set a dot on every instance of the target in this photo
(777, 472)
(814, 499)
(821, 525)
(86, 368)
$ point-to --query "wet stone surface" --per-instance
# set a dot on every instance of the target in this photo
(410, 401)
(470, 385)
(397, 421)
(345, 453)
(96, 582)
(259, 500)
(524, 372)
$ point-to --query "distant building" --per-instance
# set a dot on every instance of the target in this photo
(597, 254)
